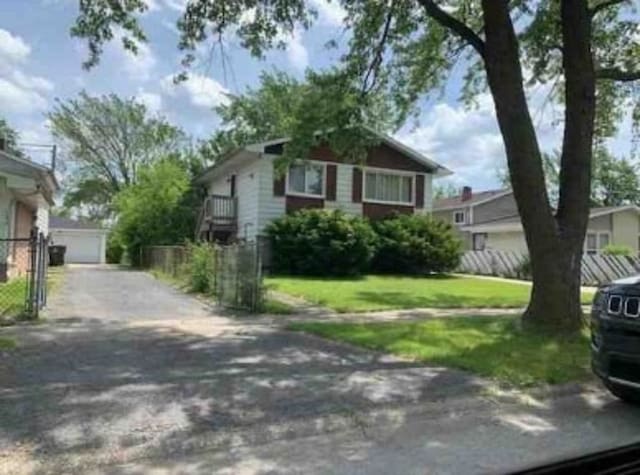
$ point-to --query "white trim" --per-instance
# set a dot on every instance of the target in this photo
(81, 231)
(389, 171)
(617, 209)
(306, 163)
(493, 228)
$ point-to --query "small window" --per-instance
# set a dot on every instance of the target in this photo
(479, 241)
(388, 187)
(458, 217)
(306, 179)
(595, 242)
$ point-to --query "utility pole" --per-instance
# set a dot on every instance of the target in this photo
(54, 153)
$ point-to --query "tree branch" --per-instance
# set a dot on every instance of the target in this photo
(616, 74)
(593, 11)
(377, 59)
(453, 24)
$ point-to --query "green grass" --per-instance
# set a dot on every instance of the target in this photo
(7, 343)
(389, 292)
(492, 347)
(276, 307)
(12, 297)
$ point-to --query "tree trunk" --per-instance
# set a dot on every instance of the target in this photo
(555, 245)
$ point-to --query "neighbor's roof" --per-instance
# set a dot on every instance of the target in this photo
(477, 197)
(25, 167)
(58, 222)
(258, 148)
(513, 223)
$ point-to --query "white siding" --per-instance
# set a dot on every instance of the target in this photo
(344, 187)
(42, 218)
(220, 186)
(428, 192)
(270, 207)
(247, 186)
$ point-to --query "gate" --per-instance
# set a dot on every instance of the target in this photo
(238, 276)
(23, 275)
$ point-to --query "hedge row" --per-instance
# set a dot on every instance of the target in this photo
(333, 243)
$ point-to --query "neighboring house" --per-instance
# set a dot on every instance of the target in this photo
(26, 194)
(490, 220)
(86, 243)
(244, 193)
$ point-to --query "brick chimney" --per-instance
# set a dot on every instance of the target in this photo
(467, 193)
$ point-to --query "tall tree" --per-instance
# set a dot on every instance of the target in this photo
(108, 138)
(409, 47)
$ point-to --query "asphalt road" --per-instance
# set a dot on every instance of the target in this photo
(130, 376)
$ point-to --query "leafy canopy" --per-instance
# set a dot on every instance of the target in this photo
(10, 137)
(107, 139)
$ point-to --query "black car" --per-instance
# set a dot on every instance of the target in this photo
(615, 337)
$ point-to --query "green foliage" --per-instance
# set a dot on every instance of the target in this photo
(276, 307)
(109, 139)
(115, 248)
(201, 267)
(158, 210)
(493, 347)
(523, 271)
(11, 138)
(319, 242)
(415, 244)
(617, 250)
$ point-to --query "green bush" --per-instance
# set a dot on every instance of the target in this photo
(201, 267)
(617, 250)
(321, 243)
(115, 249)
(415, 244)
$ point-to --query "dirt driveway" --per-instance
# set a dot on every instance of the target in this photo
(126, 368)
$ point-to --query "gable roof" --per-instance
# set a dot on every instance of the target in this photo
(260, 148)
(476, 198)
(59, 222)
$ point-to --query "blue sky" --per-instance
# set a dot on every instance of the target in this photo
(40, 62)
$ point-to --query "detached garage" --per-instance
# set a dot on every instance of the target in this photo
(86, 242)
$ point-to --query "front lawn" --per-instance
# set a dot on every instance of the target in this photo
(389, 292)
(7, 343)
(492, 347)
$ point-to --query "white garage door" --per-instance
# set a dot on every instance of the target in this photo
(82, 248)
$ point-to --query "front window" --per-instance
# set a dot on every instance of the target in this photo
(595, 242)
(306, 179)
(388, 187)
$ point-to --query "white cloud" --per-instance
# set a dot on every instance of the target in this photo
(176, 5)
(330, 11)
(13, 49)
(151, 100)
(468, 141)
(202, 91)
(19, 100)
(296, 51)
(140, 65)
(19, 91)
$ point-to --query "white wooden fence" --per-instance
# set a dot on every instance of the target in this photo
(596, 268)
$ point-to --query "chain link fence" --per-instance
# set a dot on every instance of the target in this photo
(23, 276)
(234, 277)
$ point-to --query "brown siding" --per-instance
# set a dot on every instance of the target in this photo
(419, 191)
(332, 171)
(381, 156)
(379, 211)
(356, 186)
(295, 203)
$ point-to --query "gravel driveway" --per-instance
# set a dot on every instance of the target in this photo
(126, 368)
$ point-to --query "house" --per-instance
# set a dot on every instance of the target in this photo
(489, 220)
(85, 242)
(244, 192)
(26, 194)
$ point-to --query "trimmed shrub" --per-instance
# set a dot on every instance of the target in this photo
(617, 250)
(415, 244)
(115, 249)
(200, 267)
(318, 242)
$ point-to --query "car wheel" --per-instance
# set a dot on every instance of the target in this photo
(626, 394)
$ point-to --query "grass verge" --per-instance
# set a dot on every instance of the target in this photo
(7, 343)
(493, 347)
(371, 293)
